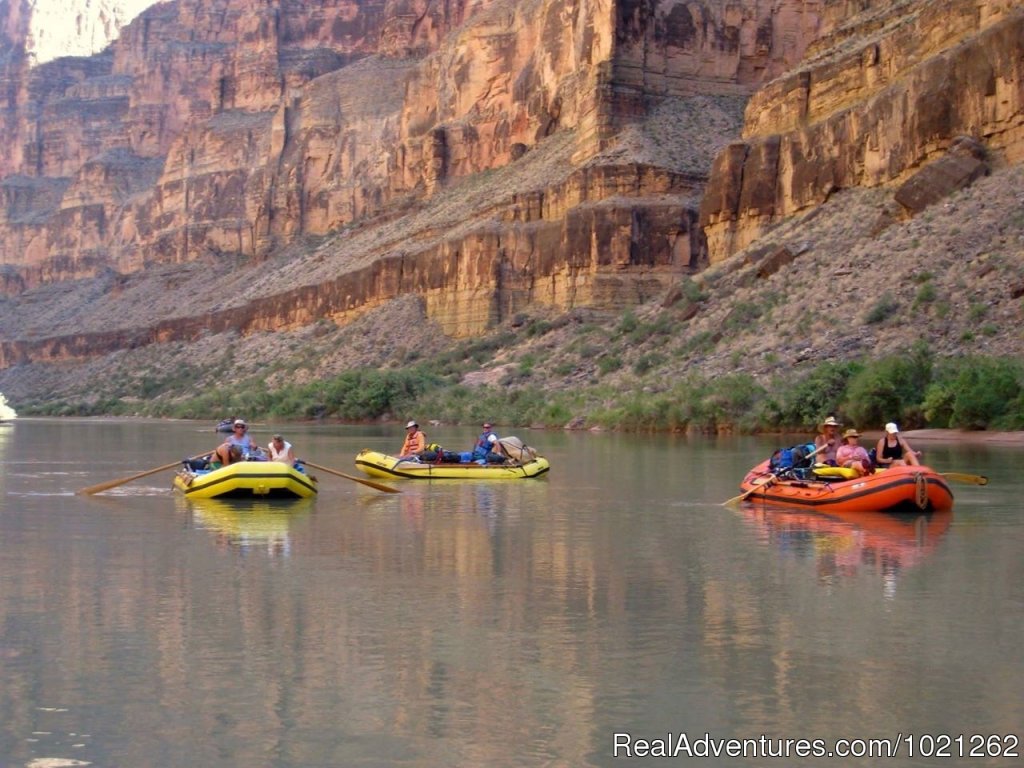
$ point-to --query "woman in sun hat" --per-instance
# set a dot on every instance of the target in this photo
(893, 450)
(828, 441)
(415, 441)
(852, 454)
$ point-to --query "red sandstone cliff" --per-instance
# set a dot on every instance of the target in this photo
(221, 130)
(326, 157)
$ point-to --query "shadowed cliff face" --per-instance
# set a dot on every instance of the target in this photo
(230, 165)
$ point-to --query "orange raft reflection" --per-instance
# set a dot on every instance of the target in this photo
(896, 489)
(845, 543)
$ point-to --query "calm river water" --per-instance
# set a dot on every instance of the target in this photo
(519, 623)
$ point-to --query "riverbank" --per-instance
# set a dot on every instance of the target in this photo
(967, 437)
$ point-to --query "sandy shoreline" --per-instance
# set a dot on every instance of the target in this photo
(964, 436)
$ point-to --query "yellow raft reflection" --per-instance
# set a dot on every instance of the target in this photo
(246, 524)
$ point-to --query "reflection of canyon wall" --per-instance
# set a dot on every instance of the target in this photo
(873, 101)
(214, 129)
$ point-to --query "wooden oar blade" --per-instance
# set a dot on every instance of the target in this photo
(963, 477)
(363, 481)
(122, 480)
(769, 479)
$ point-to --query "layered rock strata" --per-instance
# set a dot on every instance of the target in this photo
(312, 150)
(874, 101)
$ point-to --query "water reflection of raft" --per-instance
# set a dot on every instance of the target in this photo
(894, 489)
(381, 465)
(851, 542)
(246, 479)
(261, 524)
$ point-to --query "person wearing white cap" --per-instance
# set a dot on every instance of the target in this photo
(893, 450)
(415, 441)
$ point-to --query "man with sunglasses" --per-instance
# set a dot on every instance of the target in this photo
(238, 445)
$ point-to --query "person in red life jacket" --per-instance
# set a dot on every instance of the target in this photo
(415, 441)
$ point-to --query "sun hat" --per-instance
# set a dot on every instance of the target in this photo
(240, 423)
(850, 433)
(891, 428)
(831, 422)
(411, 424)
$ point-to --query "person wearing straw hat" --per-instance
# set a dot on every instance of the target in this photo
(828, 441)
(415, 441)
(853, 455)
(237, 447)
(893, 450)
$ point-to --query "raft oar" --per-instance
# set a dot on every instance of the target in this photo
(962, 477)
(378, 486)
(759, 487)
(121, 481)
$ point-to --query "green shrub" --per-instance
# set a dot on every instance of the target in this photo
(609, 363)
(628, 323)
(647, 362)
(889, 389)
(801, 403)
(882, 309)
(976, 393)
(926, 294)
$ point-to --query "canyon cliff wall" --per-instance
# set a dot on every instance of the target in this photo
(874, 101)
(484, 154)
(227, 131)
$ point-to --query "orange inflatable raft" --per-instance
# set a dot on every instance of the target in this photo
(830, 489)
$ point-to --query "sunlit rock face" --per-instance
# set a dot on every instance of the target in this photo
(49, 29)
(874, 100)
(234, 131)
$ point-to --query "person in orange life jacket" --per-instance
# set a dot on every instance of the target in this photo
(415, 441)
(853, 455)
(281, 450)
(237, 446)
(893, 451)
(829, 441)
(487, 443)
